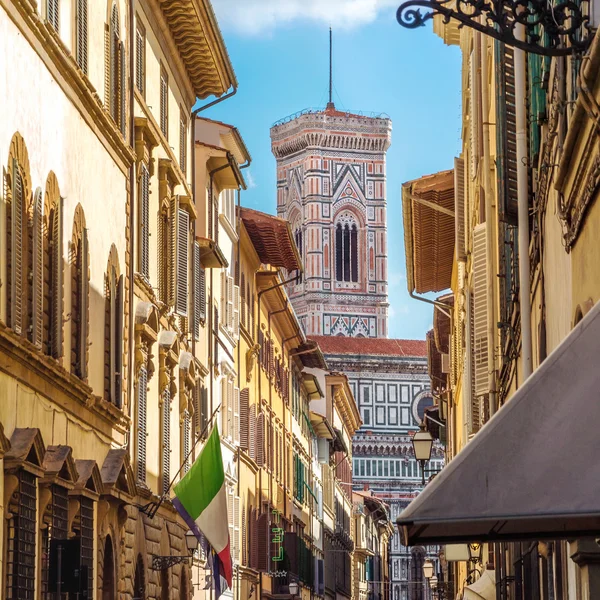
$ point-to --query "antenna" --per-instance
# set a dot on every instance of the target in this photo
(330, 103)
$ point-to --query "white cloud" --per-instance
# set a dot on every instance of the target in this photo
(396, 278)
(250, 180)
(257, 16)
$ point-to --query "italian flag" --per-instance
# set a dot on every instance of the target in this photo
(201, 500)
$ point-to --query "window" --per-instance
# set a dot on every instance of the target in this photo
(298, 238)
(228, 205)
(142, 394)
(34, 279)
(181, 265)
(79, 297)
(113, 332)
(53, 273)
(115, 70)
(166, 440)
(140, 58)
(346, 249)
(53, 13)
(182, 140)
(144, 216)
(81, 34)
(164, 102)
(243, 299)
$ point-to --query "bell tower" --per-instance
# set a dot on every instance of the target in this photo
(331, 187)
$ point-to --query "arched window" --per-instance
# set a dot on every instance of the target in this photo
(79, 296)
(53, 270)
(298, 238)
(346, 250)
(115, 70)
(113, 330)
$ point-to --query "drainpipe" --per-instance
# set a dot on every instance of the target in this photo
(523, 205)
(489, 229)
(132, 237)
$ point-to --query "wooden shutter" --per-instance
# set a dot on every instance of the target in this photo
(84, 303)
(53, 14)
(236, 310)
(230, 519)
(183, 244)
(164, 102)
(230, 303)
(459, 208)
(236, 415)
(145, 223)
(468, 369)
(473, 115)
(38, 272)
(224, 284)
(252, 432)
(245, 419)
(199, 291)
(140, 53)
(172, 260)
(244, 540)
(260, 439)
(506, 133)
(186, 442)
(107, 66)
(230, 409)
(118, 345)
(16, 295)
(81, 34)
(166, 440)
(56, 294)
(122, 89)
(224, 415)
(263, 543)
(141, 424)
(114, 64)
(480, 316)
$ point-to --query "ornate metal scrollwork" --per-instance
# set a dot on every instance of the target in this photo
(550, 30)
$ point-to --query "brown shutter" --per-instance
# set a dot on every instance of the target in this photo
(16, 296)
(122, 89)
(164, 102)
(141, 424)
(107, 66)
(38, 272)
(245, 419)
(260, 440)
(81, 34)
(459, 208)
(145, 223)
(84, 289)
(114, 64)
(140, 51)
(199, 291)
(118, 350)
(244, 553)
(166, 440)
(252, 432)
(182, 141)
(172, 260)
(183, 229)
(56, 294)
(263, 542)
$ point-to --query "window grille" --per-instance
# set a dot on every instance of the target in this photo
(140, 58)
(166, 440)
(87, 541)
(141, 424)
(81, 34)
(53, 13)
(164, 102)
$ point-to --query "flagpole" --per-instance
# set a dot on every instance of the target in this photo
(153, 507)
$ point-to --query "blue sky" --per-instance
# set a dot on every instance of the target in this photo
(279, 50)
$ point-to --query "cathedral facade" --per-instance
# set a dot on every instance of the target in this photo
(331, 187)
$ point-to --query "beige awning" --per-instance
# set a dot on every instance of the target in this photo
(483, 589)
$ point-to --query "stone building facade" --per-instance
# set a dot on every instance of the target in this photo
(391, 385)
(331, 187)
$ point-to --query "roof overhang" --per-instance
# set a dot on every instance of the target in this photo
(428, 212)
(524, 475)
(311, 383)
(321, 425)
(224, 168)
(310, 355)
(272, 239)
(194, 29)
(211, 255)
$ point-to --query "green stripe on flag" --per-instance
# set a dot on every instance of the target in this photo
(204, 480)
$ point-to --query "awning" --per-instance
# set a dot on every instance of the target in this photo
(321, 426)
(531, 472)
(483, 589)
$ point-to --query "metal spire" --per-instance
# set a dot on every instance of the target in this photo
(330, 103)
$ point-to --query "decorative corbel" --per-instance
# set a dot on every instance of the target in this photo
(251, 357)
(11, 483)
(145, 142)
(103, 508)
(45, 497)
(74, 506)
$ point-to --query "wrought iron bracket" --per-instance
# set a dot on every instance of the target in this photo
(550, 30)
(162, 563)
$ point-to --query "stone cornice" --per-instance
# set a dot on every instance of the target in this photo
(76, 86)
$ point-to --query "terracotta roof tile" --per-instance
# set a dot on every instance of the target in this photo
(272, 238)
(371, 346)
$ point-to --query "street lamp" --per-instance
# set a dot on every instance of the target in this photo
(428, 569)
(433, 581)
(422, 444)
(162, 563)
(293, 586)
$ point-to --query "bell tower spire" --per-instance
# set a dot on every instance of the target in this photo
(330, 104)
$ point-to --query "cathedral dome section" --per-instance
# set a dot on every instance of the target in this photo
(331, 188)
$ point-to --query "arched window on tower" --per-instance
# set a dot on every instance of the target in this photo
(298, 238)
(346, 250)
